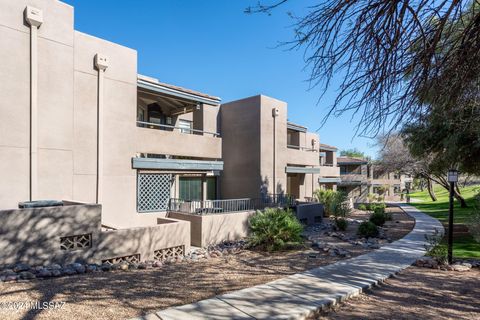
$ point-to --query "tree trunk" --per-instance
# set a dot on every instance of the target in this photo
(431, 192)
(458, 196)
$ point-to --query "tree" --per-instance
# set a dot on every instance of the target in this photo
(354, 153)
(396, 156)
(388, 52)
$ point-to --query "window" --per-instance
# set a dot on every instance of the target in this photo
(185, 126)
(153, 191)
(190, 188)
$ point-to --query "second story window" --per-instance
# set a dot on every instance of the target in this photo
(185, 126)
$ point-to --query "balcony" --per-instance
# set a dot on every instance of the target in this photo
(353, 179)
(177, 141)
(207, 207)
(303, 156)
(328, 170)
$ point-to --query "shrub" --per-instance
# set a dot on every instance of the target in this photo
(368, 229)
(362, 207)
(274, 228)
(378, 218)
(341, 224)
(326, 198)
(339, 206)
(435, 249)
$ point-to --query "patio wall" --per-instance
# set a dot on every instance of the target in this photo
(214, 228)
(34, 235)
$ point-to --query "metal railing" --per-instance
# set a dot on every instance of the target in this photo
(143, 124)
(291, 146)
(204, 207)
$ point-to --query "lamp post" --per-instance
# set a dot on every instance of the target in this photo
(452, 177)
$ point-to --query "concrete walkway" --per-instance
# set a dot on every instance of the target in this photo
(302, 294)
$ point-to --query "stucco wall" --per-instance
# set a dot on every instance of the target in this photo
(214, 228)
(240, 124)
(33, 235)
(55, 107)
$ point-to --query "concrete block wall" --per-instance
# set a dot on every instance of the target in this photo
(33, 236)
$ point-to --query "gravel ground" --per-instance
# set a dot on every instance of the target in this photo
(417, 293)
(120, 295)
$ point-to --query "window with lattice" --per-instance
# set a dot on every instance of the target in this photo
(153, 191)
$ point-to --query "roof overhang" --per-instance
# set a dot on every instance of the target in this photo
(329, 180)
(352, 183)
(328, 148)
(290, 169)
(352, 162)
(158, 88)
(296, 127)
(176, 164)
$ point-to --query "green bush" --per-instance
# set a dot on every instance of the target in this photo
(274, 228)
(367, 229)
(341, 224)
(339, 206)
(325, 197)
(378, 218)
(473, 222)
(362, 207)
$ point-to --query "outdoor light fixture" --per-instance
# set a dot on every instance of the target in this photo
(452, 175)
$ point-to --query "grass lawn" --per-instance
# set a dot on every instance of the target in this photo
(464, 245)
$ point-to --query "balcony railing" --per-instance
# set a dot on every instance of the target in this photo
(168, 127)
(291, 146)
(204, 207)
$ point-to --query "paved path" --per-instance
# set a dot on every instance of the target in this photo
(300, 295)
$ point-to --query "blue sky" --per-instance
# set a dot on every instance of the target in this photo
(214, 47)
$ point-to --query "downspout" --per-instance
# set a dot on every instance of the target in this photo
(101, 63)
(274, 115)
(34, 17)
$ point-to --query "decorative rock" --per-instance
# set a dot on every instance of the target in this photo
(142, 266)
(461, 267)
(133, 266)
(91, 268)
(56, 273)
(106, 267)
(19, 267)
(54, 266)
(123, 266)
(26, 275)
(69, 271)
(78, 267)
(44, 273)
(157, 264)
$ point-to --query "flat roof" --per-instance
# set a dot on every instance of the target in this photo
(157, 86)
(351, 160)
(297, 127)
(327, 147)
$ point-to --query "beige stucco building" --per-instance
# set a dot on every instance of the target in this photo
(360, 177)
(77, 122)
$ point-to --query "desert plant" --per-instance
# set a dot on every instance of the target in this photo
(274, 228)
(362, 207)
(367, 229)
(372, 197)
(339, 206)
(341, 224)
(435, 248)
(378, 218)
(326, 198)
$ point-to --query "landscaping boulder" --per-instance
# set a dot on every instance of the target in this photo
(26, 275)
(19, 267)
